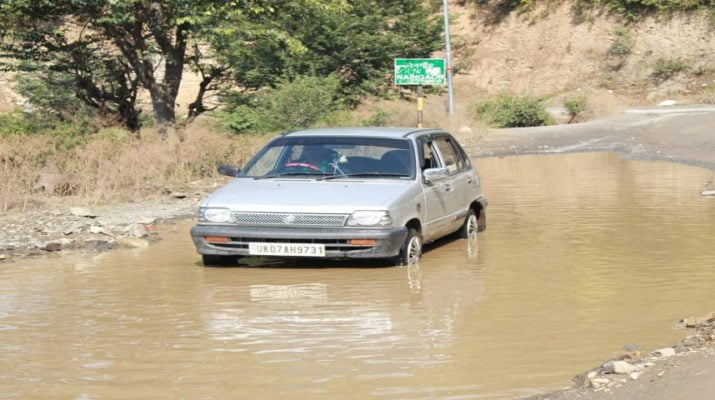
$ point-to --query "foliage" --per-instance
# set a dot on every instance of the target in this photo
(513, 111)
(575, 106)
(111, 49)
(296, 104)
(378, 117)
(358, 45)
(666, 68)
(52, 94)
(104, 52)
(622, 44)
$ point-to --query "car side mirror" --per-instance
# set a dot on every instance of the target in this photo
(432, 175)
(229, 170)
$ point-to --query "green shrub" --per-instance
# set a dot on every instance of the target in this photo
(575, 106)
(378, 117)
(623, 42)
(665, 68)
(513, 112)
(297, 104)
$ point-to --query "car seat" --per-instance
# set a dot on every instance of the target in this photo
(395, 162)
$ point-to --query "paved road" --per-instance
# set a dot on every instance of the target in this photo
(685, 135)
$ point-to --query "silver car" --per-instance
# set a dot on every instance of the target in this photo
(343, 193)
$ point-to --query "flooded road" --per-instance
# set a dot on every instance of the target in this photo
(584, 253)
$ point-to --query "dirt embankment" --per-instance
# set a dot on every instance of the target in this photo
(683, 371)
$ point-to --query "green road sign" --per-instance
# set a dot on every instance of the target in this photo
(420, 71)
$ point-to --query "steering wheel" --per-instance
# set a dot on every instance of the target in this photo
(310, 166)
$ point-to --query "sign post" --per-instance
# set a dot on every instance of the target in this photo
(420, 72)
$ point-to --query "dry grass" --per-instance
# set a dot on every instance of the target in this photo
(113, 166)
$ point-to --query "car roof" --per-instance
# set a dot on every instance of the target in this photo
(382, 132)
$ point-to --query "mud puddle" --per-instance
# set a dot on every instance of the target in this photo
(584, 253)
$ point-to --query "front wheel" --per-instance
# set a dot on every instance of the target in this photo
(411, 249)
(214, 260)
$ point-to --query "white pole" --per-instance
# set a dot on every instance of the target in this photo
(448, 54)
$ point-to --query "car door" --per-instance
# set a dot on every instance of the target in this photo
(435, 194)
(456, 185)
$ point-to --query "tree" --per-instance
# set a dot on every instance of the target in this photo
(357, 44)
(111, 49)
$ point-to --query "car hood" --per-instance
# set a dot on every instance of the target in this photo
(304, 195)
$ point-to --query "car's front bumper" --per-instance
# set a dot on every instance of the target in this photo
(336, 240)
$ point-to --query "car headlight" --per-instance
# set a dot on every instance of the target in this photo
(209, 214)
(379, 219)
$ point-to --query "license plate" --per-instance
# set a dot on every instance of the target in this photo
(286, 249)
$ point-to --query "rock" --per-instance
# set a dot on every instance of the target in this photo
(98, 244)
(665, 352)
(2, 257)
(708, 193)
(83, 212)
(133, 242)
(631, 347)
(666, 103)
(618, 367)
(76, 227)
(634, 375)
(52, 246)
(136, 230)
(98, 230)
(598, 382)
(465, 130)
(178, 195)
(146, 221)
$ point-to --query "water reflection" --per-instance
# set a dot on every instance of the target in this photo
(583, 254)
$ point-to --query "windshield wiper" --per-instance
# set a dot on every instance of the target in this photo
(320, 174)
(364, 174)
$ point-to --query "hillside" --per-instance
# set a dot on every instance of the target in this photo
(558, 51)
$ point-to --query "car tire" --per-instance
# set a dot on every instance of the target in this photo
(411, 249)
(214, 260)
(470, 227)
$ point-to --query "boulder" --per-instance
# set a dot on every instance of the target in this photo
(83, 212)
(74, 228)
(618, 367)
(665, 352)
(708, 192)
(99, 230)
(146, 221)
(52, 246)
(133, 242)
(136, 230)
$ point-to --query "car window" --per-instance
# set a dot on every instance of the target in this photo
(462, 154)
(427, 153)
(450, 160)
(341, 156)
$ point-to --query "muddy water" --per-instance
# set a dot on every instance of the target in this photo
(584, 253)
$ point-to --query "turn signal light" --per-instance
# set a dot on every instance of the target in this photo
(363, 242)
(216, 239)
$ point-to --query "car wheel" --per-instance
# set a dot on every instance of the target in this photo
(212, 260)
(411, 249)
(470, 227)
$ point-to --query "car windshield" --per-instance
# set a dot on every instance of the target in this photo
(333, 157)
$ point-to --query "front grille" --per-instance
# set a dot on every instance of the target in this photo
(289, 219)
(330, 244)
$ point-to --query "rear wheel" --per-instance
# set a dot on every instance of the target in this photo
(411, 249)
(470, 227)
(212, 260)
